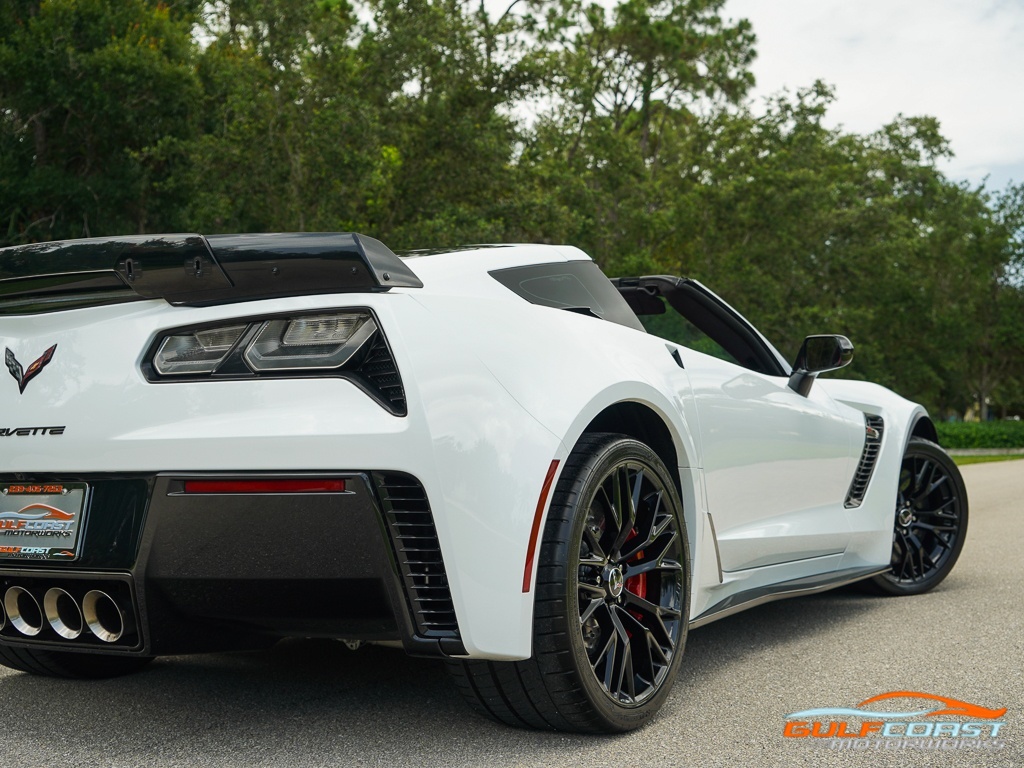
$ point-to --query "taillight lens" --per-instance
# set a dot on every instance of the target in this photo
(308, 343)
(322, 342)
(197, 352)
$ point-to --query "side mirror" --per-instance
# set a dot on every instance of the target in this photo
(819, 354)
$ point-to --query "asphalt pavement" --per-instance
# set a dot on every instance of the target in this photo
(307, 703)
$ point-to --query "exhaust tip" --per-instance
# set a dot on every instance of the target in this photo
(103, 616)
(63, 613)
(23, 610)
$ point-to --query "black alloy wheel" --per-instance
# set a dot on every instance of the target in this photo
(630, 583)
(931, 521)
(611, 600)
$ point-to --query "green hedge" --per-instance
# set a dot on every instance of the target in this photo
(985, 434)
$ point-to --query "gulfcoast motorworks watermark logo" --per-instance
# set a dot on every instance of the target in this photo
(928, 726)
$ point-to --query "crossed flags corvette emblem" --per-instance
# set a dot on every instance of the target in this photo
(23, 376)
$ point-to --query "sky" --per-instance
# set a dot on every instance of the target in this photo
(961, 61)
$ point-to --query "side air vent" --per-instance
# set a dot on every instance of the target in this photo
(410, 526)
(379, 374)
(872, 444)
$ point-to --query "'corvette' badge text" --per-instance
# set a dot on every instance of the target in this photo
(29, 431)
(23, 377)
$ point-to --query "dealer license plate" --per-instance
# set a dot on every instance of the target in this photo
(41, 521)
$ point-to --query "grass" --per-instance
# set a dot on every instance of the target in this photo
(962, 460)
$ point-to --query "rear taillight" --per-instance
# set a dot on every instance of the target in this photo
(196, 352)
(323, 342)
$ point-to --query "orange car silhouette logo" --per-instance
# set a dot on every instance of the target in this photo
(37, 512)
(953, 706)
(948, 707)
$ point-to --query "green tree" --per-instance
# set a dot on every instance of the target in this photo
(629, 88)
(95, 97)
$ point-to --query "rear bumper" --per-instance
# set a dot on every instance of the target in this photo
(195, 572)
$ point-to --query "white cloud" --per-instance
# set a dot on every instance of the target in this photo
(957, 60)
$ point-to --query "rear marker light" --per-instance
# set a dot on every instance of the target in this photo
(542, 502)
(265, 486)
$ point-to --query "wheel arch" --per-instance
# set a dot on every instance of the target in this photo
(639, 421)
(657, 429)
(924, 427)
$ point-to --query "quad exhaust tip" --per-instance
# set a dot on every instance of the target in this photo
(23, 611)
(63, 613)
(103, 616)
(98, 613)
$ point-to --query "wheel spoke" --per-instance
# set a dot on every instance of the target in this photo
(919, 480)
(607, 657)
(905, 557)
(656, 650)
(592, 589)
(591, 609)
(640, 644)
(612, 525)
(934, 529)
(624, 496)
(914, 547)
(593, 541)
(933, 486)
(624, 683)
(652, 565)
(654, 615)
(648, 540)
(940, 510)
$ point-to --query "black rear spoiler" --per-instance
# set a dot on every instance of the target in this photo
(193, 270)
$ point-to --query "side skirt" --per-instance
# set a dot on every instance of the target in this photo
(808, 585)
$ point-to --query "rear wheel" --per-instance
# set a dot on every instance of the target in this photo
(47, 663)
(931, 521)
(612, 599)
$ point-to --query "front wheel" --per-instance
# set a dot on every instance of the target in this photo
(931, 521)
(612, 597)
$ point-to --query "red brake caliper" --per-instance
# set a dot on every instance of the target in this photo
(637, 584)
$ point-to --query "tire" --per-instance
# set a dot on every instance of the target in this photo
(81, 666)
(930, 524)
(612, 600)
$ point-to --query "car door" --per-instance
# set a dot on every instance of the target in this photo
(777, 464)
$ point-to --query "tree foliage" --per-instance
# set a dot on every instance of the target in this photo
(625, 130)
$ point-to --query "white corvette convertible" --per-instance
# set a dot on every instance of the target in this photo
(494, 455)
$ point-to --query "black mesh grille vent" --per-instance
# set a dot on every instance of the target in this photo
(872, 444)
(410, 525)
(380, 374)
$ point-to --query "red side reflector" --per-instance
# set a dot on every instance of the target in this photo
(531, 551)
(292, 485)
